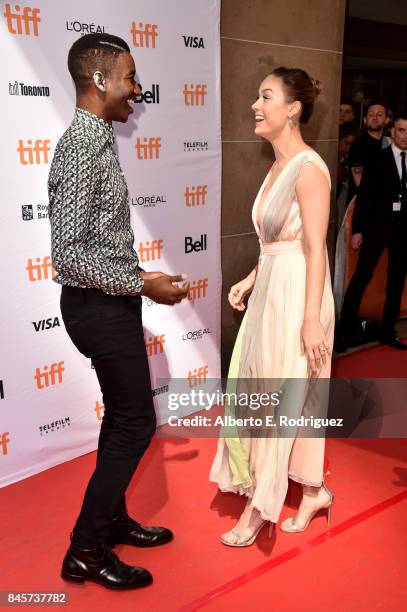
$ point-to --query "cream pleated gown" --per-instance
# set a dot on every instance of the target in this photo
(268, 347)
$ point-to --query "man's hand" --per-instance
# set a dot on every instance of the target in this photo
(356, 241)
(159, 287)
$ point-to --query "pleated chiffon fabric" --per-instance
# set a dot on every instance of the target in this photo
(267, 349)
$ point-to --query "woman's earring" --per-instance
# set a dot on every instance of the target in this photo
(290, 122)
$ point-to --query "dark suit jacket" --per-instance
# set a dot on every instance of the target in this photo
(379, 188)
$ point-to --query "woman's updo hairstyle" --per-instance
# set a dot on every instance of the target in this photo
(298, 85)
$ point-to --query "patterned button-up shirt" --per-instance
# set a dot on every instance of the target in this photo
(91, 236)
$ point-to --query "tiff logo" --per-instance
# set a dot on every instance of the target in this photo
(144, 34)
(4, 441)
(155, 345)
(195, 94)
(198, 289)
(41, 270)
(50, 375)
(151, 252)
(197, 375)
(100, 410)
(149, 148)
(29, 18)
(196, 195)
(40, 149)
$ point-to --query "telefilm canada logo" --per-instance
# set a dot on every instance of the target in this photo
(54, 426)
(148, 201)
(22, 89)
(84, 28)
(31, 212)
(195, 146)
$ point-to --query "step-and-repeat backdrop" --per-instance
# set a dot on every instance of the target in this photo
(170, 150)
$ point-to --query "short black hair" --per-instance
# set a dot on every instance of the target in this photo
(376, 103)
(93, 52)
(348, 101)
(401, 114)
(349, 128)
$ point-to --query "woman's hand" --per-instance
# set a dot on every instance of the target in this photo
(314, 344)
(239, 291)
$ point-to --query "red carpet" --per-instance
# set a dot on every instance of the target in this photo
(357, 564)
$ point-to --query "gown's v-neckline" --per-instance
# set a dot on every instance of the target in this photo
(267, 198)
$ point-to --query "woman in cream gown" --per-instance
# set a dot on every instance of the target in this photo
(287, 330)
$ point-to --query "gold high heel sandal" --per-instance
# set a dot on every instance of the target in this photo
(241, 542)
(290, 527)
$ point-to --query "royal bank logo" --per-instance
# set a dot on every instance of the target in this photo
(160, 390)
(144, 34)
(150, 201)
(84, 28)
(1, 390)
(194, 246)
(194, 146)
(21, 89)
(197, 334)
(45, 324)
(195, 94)
(197, 375)
(29, 212)
(149, 96)
(23, 22)
(54, 426)
(195, 195)
(36, 153)
(148, 148)
(194, 42)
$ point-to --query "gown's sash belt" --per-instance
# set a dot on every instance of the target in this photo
(281, 247)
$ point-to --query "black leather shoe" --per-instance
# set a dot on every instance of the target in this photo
(394, 342)
(101, 565)
(127, 531)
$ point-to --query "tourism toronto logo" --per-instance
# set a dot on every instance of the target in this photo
(21, 89)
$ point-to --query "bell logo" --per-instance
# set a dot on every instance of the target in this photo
(40, 270)
(4, 441)
(50, 375)
(195, 94)
(33, 154)
(29, 18)
(197, 375)
(198, 289)
(144, 34)
(196, 195)
(150, 252)
(148, 148)
(155, 345)
(99, 409)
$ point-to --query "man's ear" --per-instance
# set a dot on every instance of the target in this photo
(99, 80)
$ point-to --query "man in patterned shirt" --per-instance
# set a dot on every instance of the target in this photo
(97, 266)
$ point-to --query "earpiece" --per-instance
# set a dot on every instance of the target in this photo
(99, 81)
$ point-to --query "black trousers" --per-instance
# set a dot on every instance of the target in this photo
(374, 242)
(108, 329)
